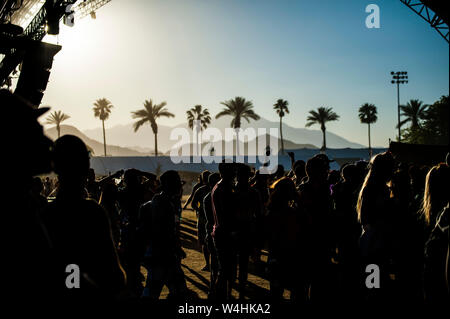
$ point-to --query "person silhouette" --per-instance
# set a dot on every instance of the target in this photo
(201, 181)
(248, 209)
(374, 208)
(130, 198)
(159, 230)
(224, 211)
(27, 248)
(285, 223)
(299, 172)
(259, 183)
(435, 209)
(37, 189)
(197, 205)
(108, 200)
(48, 186)
(80, 229)
(348, 229)
(315, 200)
(92, 187)
(213, 179)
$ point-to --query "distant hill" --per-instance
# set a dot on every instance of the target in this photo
(125, 136)
(97, 147)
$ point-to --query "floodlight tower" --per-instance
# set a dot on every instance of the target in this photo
(398, 78)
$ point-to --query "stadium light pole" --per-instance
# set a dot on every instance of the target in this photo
(398, 78)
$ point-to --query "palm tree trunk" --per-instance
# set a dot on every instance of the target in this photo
(104, 137)
(58, 129)
(156, 144)
(197, 146)
(281, 135)
(237, 140)
(370, 147)
(324, 142)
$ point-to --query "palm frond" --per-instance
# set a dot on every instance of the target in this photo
(140, 114)
(224, 113)
(102, 108)
(321, 116)
(139, 123)
(403, 122)
(57, 117)
(367, 113)
(250, 114)
(158, 108)
(165, 113)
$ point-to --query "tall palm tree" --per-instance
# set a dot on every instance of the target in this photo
(150, 113)
(321, 117)
(57, 117)
(368, 115)
(281, 108)
(197, 113)
(102, 109)
(414, 111)
(239, 108)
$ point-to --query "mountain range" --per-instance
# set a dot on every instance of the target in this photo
(113, 150)
(142, 141)
(94, 146)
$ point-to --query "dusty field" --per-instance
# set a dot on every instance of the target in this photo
(198, 280)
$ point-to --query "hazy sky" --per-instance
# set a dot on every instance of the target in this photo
(188, 52)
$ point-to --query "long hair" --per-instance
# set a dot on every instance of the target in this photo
(283, 191)
(381, 168)
(435, 196)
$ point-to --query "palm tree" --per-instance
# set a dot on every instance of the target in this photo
(321, 117)
(150, 113)
(102, 109)
(197, 113)
(57, 117)
(239, 108)
(414, 111)
(368, 115)
(281, 108)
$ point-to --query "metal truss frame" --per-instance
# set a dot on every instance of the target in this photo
(429, 16)
(84, 8)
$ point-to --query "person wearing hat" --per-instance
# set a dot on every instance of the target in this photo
(159, 230)
(80, 230)
(26, 248)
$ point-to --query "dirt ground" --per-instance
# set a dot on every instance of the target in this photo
(198, 280)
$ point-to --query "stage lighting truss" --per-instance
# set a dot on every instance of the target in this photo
(431, 17)
(88, 7)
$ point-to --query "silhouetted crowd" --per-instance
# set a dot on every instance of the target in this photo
(321, 228)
